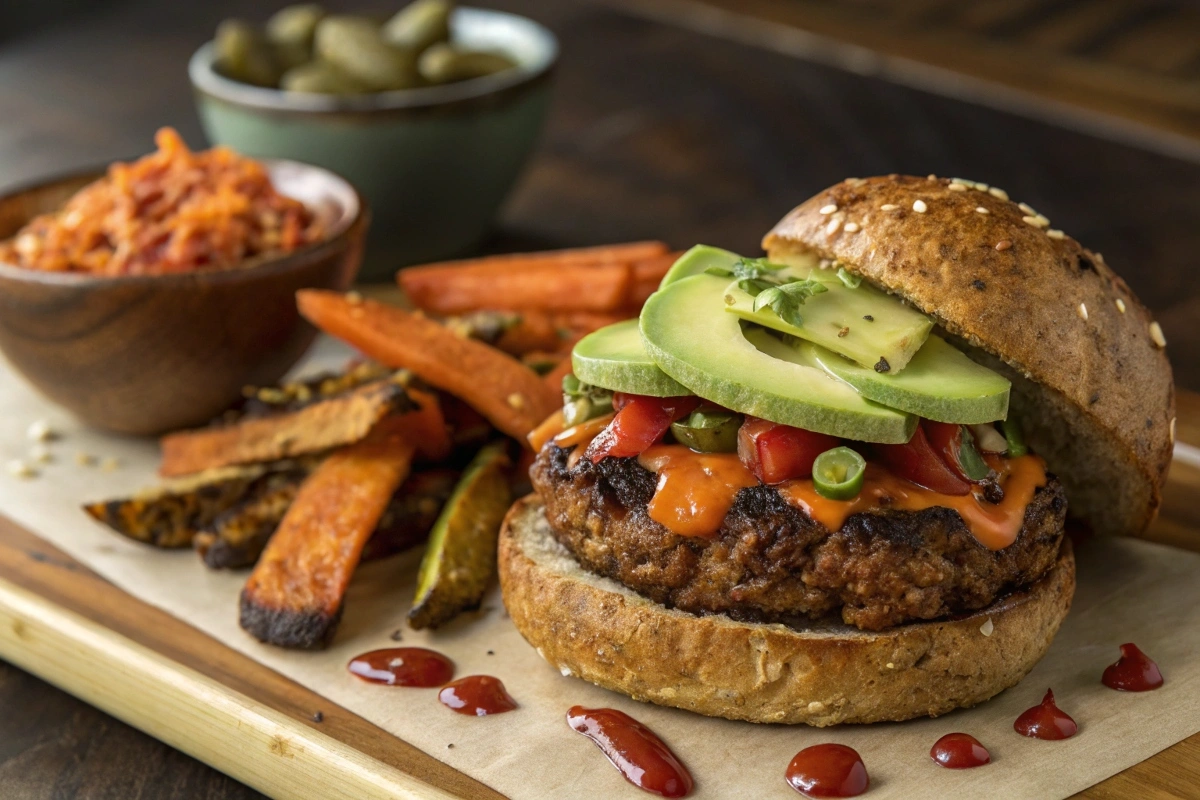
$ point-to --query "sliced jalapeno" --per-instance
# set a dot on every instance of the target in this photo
(1016, 442)
(975, 468)
(838, 473)
(708, 431)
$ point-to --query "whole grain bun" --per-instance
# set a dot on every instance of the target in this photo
(596, 629)
(1091, 383)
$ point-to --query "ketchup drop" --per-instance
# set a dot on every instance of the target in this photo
(1046, 721)
(1133, 672)
(403, 666)
(637, 753)
(959, 751)
(477, 696)
(828, 770)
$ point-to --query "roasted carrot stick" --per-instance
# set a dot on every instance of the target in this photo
(569, 287)
(647, 274)
(553, 378)
(535, 331)
(294, 596)
(508, 393)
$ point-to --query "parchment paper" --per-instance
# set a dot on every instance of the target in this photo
(1128, 591)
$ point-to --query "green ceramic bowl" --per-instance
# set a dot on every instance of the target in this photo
(434, 163)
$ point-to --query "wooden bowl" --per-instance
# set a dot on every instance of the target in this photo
(148, 354)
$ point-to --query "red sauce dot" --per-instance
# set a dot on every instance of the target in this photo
(828, 770)
(1046, 721)
(959, 751)
(637, 753)
(1133, 672)
(403, 666)
(477, 696)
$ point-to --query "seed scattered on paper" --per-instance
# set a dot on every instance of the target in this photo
(40, 431)
(19, 469)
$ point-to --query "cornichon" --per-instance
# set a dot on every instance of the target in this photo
(460, 557)
(354, 46)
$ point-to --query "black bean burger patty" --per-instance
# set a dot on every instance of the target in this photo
(770, 561)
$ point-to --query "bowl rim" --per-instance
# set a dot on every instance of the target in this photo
(357, 214)
(206, 79)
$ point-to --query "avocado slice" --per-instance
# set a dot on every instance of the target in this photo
(614, 358)
(865, 324)
(696, 260)
(691, 340)
(940, 383)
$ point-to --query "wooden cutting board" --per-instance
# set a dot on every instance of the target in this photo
(63, 622)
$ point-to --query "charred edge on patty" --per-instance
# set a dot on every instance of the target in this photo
(770, 562)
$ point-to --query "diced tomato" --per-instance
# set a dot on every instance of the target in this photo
(639, 423)
(777, 453)
(922, 462)
(946, 440)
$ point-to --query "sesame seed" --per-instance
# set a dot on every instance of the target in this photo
(1003, 245)
(1172, 430)
(996, 191)
(987, 627)
(1042, 220)
(1156, 334)
(931, 177)
(851, 227)
(888, 207)
(982, 210)
(963, 181)
(516, 400)
(957, 187)
(890, 665)
(40, 453)
(39, 431)
(1028, 209)
(1055, 233)
(84, 459)
(920, 207)
(833, 226)
(980, 187)
(1120, 305)
(1034, 221)
(19, 469)
(1099, 257)
(829, 209)
(1083, 311)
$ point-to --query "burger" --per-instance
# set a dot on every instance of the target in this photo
(830, 484)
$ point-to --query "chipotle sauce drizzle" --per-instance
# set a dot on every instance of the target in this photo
(403, 666)
(1046, 721)
(959, 751)
(828, 770)
(1133, 672)
(477, 696)
(637, 753)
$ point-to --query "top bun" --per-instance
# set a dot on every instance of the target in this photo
(1092, 386)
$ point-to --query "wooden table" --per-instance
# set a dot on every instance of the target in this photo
(657, 131)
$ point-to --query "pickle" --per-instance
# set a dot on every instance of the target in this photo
(319, 77)
(294, 24)
(708, 431)
(419, 25)
(355, 47)
(444, 63)
(460, 557)
(244, 55)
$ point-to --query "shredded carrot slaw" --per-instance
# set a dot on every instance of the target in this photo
(171, 211)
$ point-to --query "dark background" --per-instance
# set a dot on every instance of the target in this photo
(657, 131)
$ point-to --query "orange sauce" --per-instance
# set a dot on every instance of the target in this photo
(995, 525)
(695, 490)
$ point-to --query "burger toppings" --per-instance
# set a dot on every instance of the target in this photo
(838, 474)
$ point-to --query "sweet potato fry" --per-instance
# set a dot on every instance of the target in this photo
(553, 378)
(571, 287)
(323, 425)
(582, 322)
(294, 596)
(600, 254)
(509, 394)
(647, 274)
(534, 331)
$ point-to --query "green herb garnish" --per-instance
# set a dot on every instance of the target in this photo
(760, 279)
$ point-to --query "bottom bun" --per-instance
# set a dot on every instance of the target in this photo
(819, 674)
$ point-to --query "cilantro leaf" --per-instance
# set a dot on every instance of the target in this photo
(785, 299)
